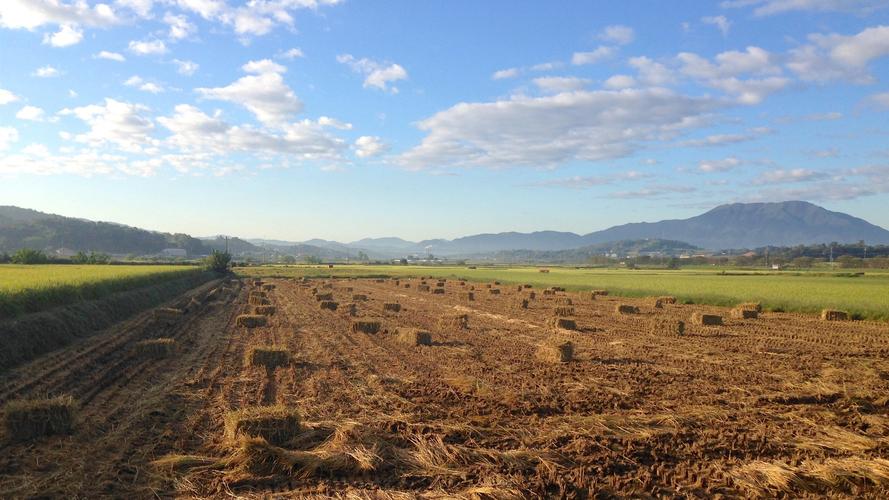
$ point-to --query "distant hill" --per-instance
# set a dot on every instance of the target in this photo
(633, 248)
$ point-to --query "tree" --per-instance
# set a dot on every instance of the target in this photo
(91, 258)
(218, 261)
(288, 259)
(363, 257)
(312, 259)
(29, 256)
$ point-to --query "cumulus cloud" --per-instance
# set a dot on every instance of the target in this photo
(771, 7)
(601, 53)
(30, 113)
(881, 99)
(723, 165)
(293, 53)
(66, 36)
(618, 82)
(726, 139)
(179, 26)
(368, 146)
(721, 22)
(782, 176)
(558, 84)
(651, 72)
(148, 47)
(724, 71)
(141, 8)
(7, 97)
(547, 131)
(144, 86)
(186, 68)
(377, 75)
(619, 34)
(840, 57)
(111, 56)
(32, 14)
(253, 18)
(46, 72)
(8, 135)
(263, 93)
(504, 74)
(117, 123)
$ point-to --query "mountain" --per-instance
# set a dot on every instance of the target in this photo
(651, 247)
(752, 225)
(23, 228)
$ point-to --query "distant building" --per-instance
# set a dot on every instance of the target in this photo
(174, 252)
(65, 253)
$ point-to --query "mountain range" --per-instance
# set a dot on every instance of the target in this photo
(732, 226)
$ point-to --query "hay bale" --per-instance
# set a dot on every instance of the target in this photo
(251, 320)
(603, 293)
(753, 306)
(364, 326)
(258, 301)
(26, 419)
(564, 311)
(276, 424)
(557, 289)
(834, 315)
(458, 322)
(543, 271)
(563, 324)
(352, 309)
(414, 336)
(168, 314)
(532, 295)
(658, 304)
(438, 291)
(470, 296)
(265, 310)
(268, 287)
(558, 353)
(494, 291)
(155, 348)
(740, 313)
(257, 293)
(626, 309)
(392, 307)
(671, 326)
(706, 319)
(407, 285)
(519, 288)
(359, 297)
(329, 304)
(440, 284)
(524, 304)
(270, 357)
(667, 299)
(324, 296)
(257, 282)
(549, 292)
(565, 301)
(423, 288)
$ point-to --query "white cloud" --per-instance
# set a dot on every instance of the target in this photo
(881, 99)
(7, 97)
(111, 56)
(253, 18)
(723, 165)
(186, 68)
(263, 93)
(504, 74)
(725, 139)
(651, 72)
(368, 146)
(180, 27)
(376, 74)
(142, 8)
(547, 66)
(8, 135)
(557, 84)
(753, 60)
(619, 34)
(770, 7)
(66, 36)
(30, 113)
(117, 123)
(139, 83)
(32, 14)
(145, 48)
(751, 91)
(720, 22)
(293, 53)
(601, 53)
(546, 131)
(618, 82)
(840, 57)
(46, 72)
(795, 175)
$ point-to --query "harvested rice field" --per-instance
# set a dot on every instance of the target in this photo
(444, 396)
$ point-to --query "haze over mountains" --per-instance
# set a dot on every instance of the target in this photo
(733, 226)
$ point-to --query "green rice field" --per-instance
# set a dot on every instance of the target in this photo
(864, 295)
(31, 288)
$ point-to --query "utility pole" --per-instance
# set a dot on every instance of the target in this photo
(226, 244)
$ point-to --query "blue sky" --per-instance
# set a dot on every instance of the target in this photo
(296, 119)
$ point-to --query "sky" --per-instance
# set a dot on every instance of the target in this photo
(345, 119)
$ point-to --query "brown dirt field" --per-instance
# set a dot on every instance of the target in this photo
(783, 405)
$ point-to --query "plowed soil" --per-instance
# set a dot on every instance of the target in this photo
(783, 404)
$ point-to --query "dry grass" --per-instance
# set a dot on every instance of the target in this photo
(706, 319)
(564, 311)
(740, 313)
(275, 424)
(457, 322)
(494, 291)
(321, 297)
(768, 479)
(414, 336)
(755, 306)
(27, 419)
(155, 348)
(667, 299)
(251, 320)
(365, 326)
(359, 297)
(662, 326)
(470, 296)
(560, 353)
(599, 292)
(270, 357)
(255, 300)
